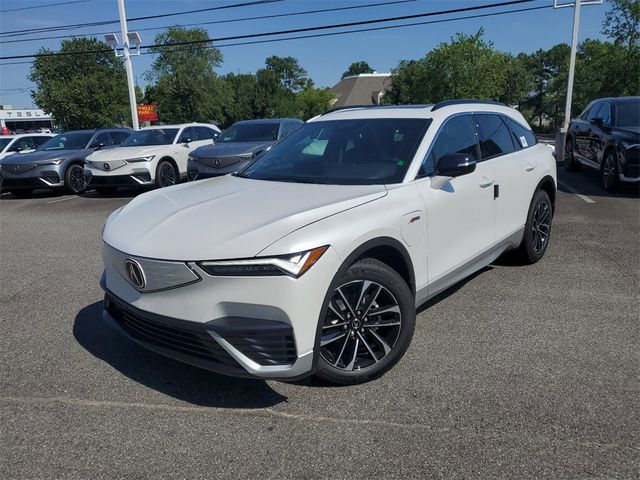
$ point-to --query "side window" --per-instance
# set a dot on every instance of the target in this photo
(585, 113)
(104, 139)
(40, 140)
(494, 136)
(523, 136)
(204, 133)
(119, 137)
(594, 111)
(605, 113)
(188, 135)
(457, 135)
(25, 143)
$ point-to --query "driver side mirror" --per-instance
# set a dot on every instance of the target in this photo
(597, 121)
(215, 136)
(186, 139)
(97, 145)
(452, 165)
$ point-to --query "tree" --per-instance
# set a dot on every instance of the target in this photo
(186, 87)
(622, 23)
(83, 90)
(287, 71)
(466, 67)
(241, 104)
(356, 68)
(313, 101)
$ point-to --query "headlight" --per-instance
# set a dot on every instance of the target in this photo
(55, 161)
(148, 158)
(293, 265)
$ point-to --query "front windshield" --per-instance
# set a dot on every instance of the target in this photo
(343, 152)
(250, 132)
(628, 114)
(4, 142)
(154, 136)
(68, 141)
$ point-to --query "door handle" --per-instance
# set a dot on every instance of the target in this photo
(486, 182)
(530, 167)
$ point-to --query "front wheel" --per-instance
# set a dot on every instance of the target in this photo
(570, 162)
(610, 177)
(367, 326)
(74, 179)
(537, 229)
(166, 174)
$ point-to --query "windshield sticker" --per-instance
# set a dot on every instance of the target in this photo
(523, 142)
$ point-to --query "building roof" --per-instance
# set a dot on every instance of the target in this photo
(363, 89)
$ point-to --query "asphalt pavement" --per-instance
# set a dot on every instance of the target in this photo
(518, 372)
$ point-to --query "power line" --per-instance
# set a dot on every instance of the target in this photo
(361, 30)
(43, 6)
(16, 33)
(286, 32)
(231, 20)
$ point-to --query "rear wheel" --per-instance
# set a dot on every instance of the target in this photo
(537, 230)
(367, 326)
(74, 179)
(166, 174)
(570, 162)
(610, 177)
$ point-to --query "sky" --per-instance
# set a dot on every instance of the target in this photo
(324, 58)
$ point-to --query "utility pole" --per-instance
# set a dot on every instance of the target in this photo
(561, 137)
(129, 67)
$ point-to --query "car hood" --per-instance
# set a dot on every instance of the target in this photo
(123, 153)
(225, 217)
(633, 132)
(39, 156)
(233, 149)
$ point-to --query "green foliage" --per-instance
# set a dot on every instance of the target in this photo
(622, 23)
(466, 67)
(356, 68)
(186, 87)
(313, 101)
(82, 91)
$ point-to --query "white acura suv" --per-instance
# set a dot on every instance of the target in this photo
(313, 258)
(153, 155)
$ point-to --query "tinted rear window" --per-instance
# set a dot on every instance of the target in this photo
(628, 113)
(523, 137)
(494, 136)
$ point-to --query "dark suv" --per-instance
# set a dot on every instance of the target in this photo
(606, 136)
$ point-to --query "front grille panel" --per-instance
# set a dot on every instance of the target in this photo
(19, 168)
(193, 341)
(265, 346)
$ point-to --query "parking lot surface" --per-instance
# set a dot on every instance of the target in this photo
(519, 372)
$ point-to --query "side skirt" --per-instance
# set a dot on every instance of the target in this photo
(470, 267)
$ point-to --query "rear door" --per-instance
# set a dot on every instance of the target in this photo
(599, 133)
(584, 132)
(460, 214)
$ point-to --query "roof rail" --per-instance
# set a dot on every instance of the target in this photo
(349, 107)
(448, 103)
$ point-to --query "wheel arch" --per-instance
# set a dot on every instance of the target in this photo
(169, 159)
(548, 185)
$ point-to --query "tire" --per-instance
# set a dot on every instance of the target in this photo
(166, 174)
(74, 179)
(25, 193)
(609, 172)
(537, 229)
(364, 346)
(570, 163)
(105, 190)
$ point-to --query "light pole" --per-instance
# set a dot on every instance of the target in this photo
(561, 137)
(129, 40)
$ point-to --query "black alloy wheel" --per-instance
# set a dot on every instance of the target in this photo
(610, 178)
(166, 174)
(570, 162)
(75, 180)
(537, 229)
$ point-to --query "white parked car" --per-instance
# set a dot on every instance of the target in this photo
(153, 155)
(313, 258)
(24, 143)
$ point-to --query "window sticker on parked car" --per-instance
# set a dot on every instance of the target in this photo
(316, 147)
(523, 142)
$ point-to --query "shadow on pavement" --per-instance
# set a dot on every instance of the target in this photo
(184, 382)
(587, 181)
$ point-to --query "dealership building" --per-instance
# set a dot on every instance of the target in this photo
(23, 119)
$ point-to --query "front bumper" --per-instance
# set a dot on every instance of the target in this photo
(196, 170)
(37, 177)
(261, 327)
(99, 178)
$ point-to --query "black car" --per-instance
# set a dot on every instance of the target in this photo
(606, 136)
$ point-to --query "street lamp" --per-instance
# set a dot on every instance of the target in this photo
(131, 42)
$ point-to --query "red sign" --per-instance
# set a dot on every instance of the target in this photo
(147, 113)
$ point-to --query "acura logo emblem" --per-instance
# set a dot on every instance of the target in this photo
(16, 169)
(135, 273)
(106, 166)
(217, 163)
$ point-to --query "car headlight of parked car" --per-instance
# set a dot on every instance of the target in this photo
(148, 158)
(55, 161)
(293, 265)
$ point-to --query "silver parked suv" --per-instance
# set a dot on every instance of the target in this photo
(237, 146)
(57, 163)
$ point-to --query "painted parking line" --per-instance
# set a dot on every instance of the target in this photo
(64, 199)
(576, 193)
